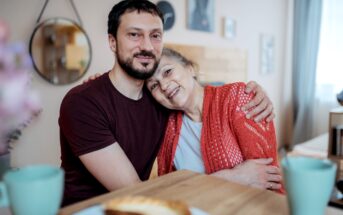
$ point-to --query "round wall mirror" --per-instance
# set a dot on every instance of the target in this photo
(60, 50)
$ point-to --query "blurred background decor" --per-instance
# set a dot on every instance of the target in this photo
(18, 102)
(168, 14)
(60, 48)
(340, 97)
(201, 15)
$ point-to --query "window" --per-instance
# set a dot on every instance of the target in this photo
(329, 80)
(329, 76)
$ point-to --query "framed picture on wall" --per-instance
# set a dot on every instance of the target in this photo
(267, 53)
(229, 28)
(168, 14)
(200, 15)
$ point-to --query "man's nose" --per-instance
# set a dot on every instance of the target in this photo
(146, 44)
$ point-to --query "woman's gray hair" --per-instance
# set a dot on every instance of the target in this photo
(171, 53)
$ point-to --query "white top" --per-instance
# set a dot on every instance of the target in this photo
(188, 153)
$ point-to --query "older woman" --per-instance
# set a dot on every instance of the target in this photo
(209, 132)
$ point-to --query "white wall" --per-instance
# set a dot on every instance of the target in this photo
(40, 141)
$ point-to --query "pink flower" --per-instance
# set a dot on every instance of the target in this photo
(18, 103)
(4, 32)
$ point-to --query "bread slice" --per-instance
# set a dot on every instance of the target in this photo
(140, 205)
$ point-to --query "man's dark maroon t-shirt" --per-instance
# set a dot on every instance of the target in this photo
(96, 115)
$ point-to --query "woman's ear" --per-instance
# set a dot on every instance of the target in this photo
(192, 71)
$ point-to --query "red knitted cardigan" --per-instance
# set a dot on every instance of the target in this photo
(227, 136)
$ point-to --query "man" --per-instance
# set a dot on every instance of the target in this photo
(111, 128)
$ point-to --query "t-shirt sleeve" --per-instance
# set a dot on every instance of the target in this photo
(84, 125)
(256, 140)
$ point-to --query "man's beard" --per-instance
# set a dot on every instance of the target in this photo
(141, 74)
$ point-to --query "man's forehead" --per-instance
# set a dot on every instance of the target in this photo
(135, 19)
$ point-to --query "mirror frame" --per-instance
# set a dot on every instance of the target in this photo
(31, 53)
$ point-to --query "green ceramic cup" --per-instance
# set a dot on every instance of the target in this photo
(309, 183)
(35, 189)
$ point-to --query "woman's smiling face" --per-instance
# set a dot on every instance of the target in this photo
(172, 84)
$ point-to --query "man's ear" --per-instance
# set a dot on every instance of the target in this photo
(112, 42)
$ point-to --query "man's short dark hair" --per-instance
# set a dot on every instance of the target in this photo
(129, 6)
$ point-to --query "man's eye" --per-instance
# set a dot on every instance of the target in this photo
(157, 36)
(133, 35)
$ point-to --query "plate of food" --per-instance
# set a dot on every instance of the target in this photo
(141, 205)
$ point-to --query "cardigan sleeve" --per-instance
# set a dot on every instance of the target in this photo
(256, 140)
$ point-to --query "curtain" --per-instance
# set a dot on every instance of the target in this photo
(329, 80)
(307, 20)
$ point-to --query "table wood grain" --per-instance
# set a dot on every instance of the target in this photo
(211, 194)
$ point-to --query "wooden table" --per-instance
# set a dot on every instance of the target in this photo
(211, 194)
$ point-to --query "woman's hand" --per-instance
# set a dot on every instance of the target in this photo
(255, 173)
(92, 77)
(261, 104)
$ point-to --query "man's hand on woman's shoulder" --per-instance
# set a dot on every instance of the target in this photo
(262, 107)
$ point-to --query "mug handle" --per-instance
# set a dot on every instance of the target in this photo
(3, 195)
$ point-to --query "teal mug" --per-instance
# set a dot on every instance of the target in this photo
(35, 189)
(309, 183)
